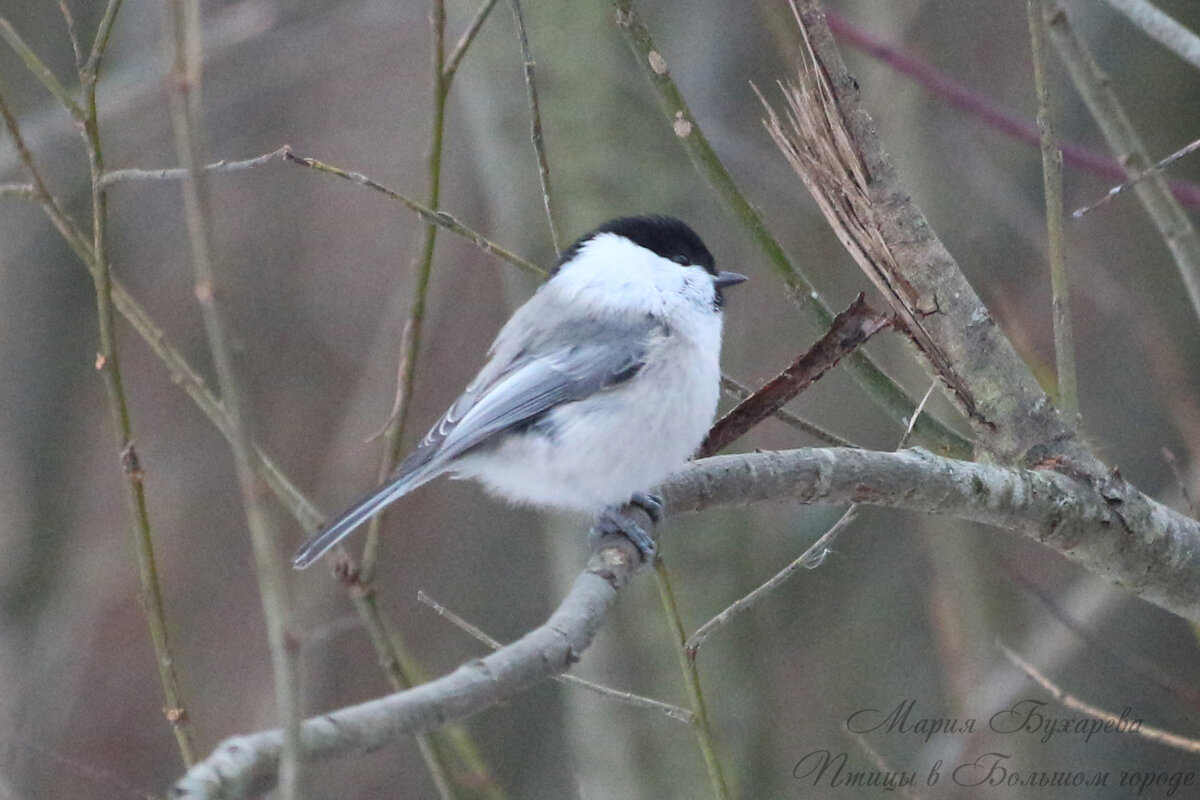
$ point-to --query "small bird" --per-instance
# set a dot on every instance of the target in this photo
(597, 389)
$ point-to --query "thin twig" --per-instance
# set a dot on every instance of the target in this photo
(849, 330)
(460, 48)
(1162, 28)
(878, 386)
(24, 191)
(182, 40)
(1052, 183)
(182, 374)
(1138, 178)
(178, 173)
(691, 679)
(439, 218)
(39, 69)
(535, 121)
(108, 362)
(1112, 722)
(156, 618)
(637, 701)
(393, 655)
(422, 272)
(1143, 668)
(72, 33)
(880, 763)
(1095, 89)
(91, 68)
(401, 371)
(920, 407)
(739, 391)
(185, 376)
(966, 99)
(811, 558)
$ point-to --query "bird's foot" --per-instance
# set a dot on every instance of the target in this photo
(652, 504)
(613, 521)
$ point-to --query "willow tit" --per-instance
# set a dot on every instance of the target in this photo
(597, 389)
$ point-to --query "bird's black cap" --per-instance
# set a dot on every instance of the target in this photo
(665, 236)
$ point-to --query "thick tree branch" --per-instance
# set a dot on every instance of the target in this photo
(246, 766)
(1149, 549)
(831, 142)
(1109, 529)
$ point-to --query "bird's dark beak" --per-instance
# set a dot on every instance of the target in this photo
(723, 280)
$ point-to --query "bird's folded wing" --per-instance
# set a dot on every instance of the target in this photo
(603, 356)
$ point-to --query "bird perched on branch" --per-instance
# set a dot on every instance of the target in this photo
(597, 389)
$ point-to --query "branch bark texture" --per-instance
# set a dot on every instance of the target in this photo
(832, 143)
(1154, 554)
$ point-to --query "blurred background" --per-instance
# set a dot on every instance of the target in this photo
(318, 279)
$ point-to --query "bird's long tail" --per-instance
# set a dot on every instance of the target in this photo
(359, 513)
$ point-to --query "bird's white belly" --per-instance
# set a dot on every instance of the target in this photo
(607, 447)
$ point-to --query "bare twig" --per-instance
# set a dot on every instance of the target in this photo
(740, 392)
(23, 191)
(439, 218)
(401, 371)
(392, 654)
(424, 212)
(849, 331)
(422, 273)
(1052, 183)
(108, 362)
(91, 68)
(691, 679)
(178, 173)
(916, 413)
(1138, 178)
(637, 701)
(182, 40)
(1143, 667)
(966, 99)
(93, 255)
(460, 48)
(535, 121)
(1095, 89)
(880, 764)
(811, 558)
(1112, 722)
(39, 70)
(72, 34)
(1162, 28)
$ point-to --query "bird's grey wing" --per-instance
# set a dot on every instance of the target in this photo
(559, 366)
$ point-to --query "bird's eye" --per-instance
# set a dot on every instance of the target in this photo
(680, 259)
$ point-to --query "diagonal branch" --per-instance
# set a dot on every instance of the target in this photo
(849, 331)
(1157, 559)
(832, 144)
